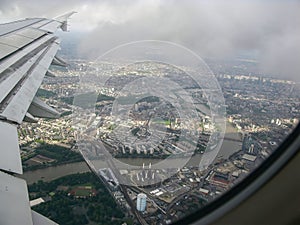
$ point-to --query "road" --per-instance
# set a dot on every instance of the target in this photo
(108, 159)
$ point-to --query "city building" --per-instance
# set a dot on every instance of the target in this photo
(141, 202)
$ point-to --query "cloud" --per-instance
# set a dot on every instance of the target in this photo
(209, 28)
(214, 28)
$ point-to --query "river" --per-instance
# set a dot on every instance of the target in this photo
(228, 148)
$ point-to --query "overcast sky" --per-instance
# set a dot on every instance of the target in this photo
(209, 28)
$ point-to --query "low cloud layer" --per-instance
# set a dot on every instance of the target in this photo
(209, 28)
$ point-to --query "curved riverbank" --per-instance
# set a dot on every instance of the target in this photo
(54, 172)
(48, 174)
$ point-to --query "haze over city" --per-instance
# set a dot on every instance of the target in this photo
(264, 31)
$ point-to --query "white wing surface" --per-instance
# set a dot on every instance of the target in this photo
(27, 49)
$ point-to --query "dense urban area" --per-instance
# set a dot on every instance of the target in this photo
(260, 112)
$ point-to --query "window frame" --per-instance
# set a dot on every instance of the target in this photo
(249, 185)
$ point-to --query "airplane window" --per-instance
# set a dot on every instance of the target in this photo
(170, 104)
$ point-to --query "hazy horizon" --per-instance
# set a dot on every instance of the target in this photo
(269, 30)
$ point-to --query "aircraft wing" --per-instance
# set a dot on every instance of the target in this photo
(27, 48)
